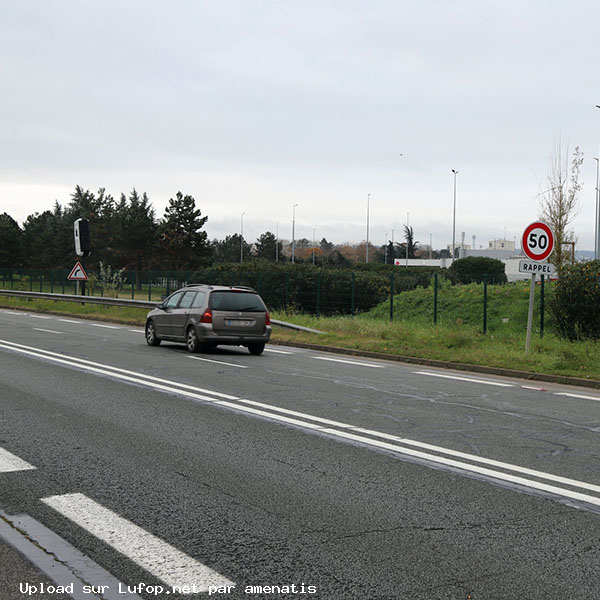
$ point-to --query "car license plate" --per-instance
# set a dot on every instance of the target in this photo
(237, 323)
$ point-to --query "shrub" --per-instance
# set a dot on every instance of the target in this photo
(472, 269)
(576, 301)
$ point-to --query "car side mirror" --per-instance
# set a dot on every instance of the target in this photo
(160, 306)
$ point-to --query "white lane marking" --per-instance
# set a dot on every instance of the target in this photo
(69, 321)
(219, 362)
(535, 389)
(60, 561)
(9, 462)
(583, 396)
(350, 362)
(10, 312)
(39, 317)
(162, 560)
(105, 326)
(471, 379)
(277, 351)
(47, 330)
(136, 330)
(95, 367)
(271, 415)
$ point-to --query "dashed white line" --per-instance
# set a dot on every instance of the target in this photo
(10, 312)
(47, 330)
(148, 551)
(582, 396)
(277, 351)
(219, 362)
(39, 317)
(350, 362)
(9, 462)
(470, 379)
(69, 321)
(105, 326)
(136, 330)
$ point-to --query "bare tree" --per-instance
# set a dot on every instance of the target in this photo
(559, 202)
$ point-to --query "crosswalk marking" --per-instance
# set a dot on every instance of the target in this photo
(162, 560)
(9, 462)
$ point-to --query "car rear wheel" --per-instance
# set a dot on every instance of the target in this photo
(256, 349)
(191, 340)
(151, 338)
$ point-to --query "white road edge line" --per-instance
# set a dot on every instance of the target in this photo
(350, 362)
(173, 387)
(219, 362)
(584, 397)
(459, 378)
(10, 463)
(88, 364)
(162, 560)
(47, 330)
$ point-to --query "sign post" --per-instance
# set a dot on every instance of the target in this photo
(537, 244)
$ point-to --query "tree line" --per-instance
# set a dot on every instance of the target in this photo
(126, 233)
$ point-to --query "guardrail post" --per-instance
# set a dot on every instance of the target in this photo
(485, 283)
(435, 298)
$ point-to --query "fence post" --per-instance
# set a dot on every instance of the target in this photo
(485, 283)
(168, 282)
(41, 280)
(318, 294)
(435, 298)
(30, 280)
(133, 284)
(149, 286)
(542, 308)
(287, 290)
(353, 301)
(52, 282)
(392, 296)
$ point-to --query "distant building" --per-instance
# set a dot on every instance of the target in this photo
(502, 244)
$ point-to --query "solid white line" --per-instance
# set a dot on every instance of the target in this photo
(69, 321)
(596, 399)
(270, 413)
(9, 462)
(219, 362)
(88, 365)
(350, 362)
(484, 381)
(277, 351)
(162, 560)
(105, 326)
(47, 330)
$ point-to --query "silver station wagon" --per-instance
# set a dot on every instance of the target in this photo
(204, 316)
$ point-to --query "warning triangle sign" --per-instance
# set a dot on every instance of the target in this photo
(78, 273)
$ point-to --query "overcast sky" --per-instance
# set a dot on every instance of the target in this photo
(254, 106)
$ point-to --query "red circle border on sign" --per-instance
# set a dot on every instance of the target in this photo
(546, 253)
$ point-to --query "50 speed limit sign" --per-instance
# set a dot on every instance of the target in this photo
(538, 241)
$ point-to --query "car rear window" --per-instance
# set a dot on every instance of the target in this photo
(239, 301)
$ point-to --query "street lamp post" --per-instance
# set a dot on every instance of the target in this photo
(242, 239)
(367, 250)
(454, 216)
(294, 233)
(596, 240)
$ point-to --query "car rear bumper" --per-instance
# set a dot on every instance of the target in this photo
(207, 335)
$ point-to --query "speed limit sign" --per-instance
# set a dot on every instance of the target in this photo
(538, 241)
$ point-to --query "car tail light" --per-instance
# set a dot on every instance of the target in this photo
(206, 317)
(267, 318)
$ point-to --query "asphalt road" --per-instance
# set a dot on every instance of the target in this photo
(298, 473)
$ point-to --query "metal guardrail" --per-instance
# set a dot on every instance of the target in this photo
(120, 302)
